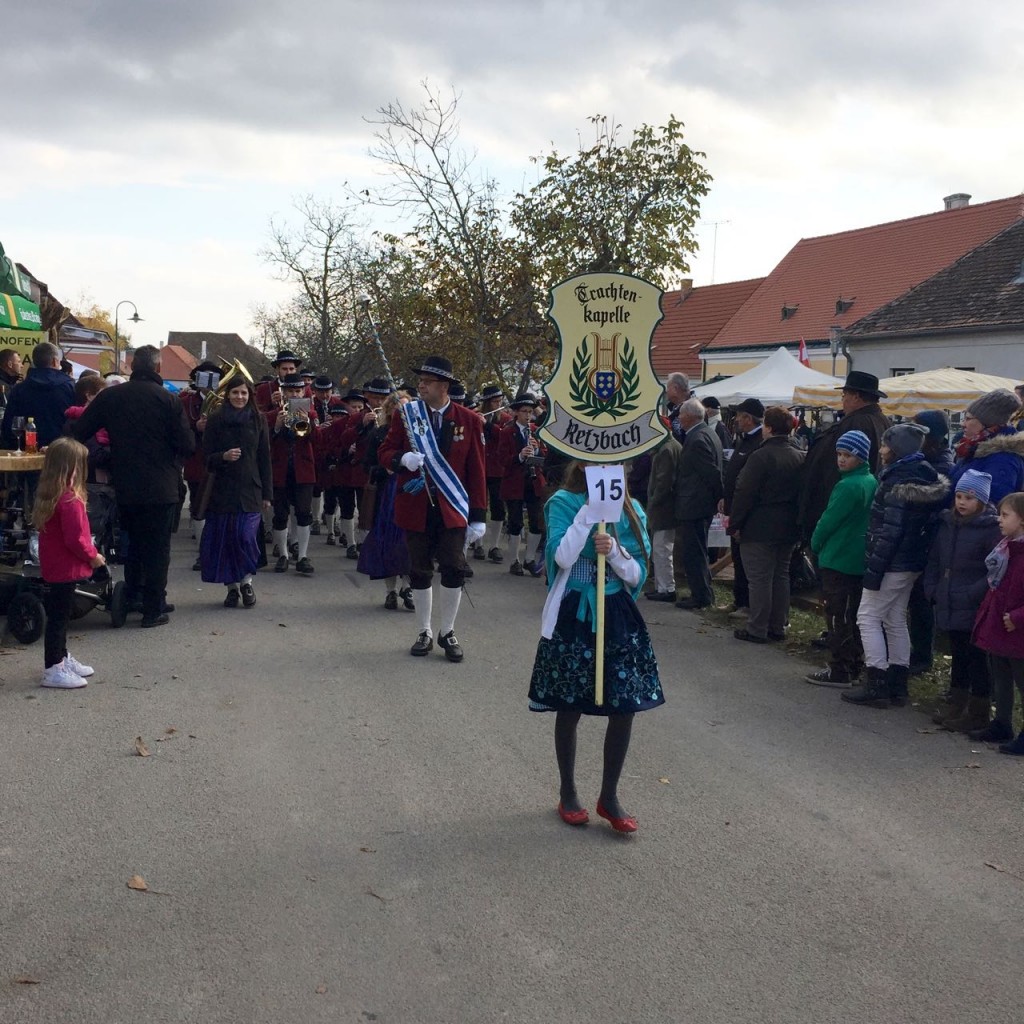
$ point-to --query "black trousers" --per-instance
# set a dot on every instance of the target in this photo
(349, 499)
(921, 623)
(440, 543)
(842, 593)
(497, 506)
(534, 514)
(969, 667)
(149, 553)
(332, 501)
(58, 612)
(292, 494)
(740, 586)
(692, 545)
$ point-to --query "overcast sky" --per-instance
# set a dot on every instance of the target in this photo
(148, 144)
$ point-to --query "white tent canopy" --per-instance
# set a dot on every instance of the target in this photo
(771, 381)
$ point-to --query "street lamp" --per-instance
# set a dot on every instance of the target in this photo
(134, 318)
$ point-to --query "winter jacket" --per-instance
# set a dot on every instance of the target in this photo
(840, 538)
(98, 447)
(989, 632)
(698, 483)
(43, 395)
(904, 515)
(954, 579)
(1002, 457)
(821, 470)
(149, 438)
(764, 506)
(65, 543)
(660, 492)
(746, 444)
(244, 485)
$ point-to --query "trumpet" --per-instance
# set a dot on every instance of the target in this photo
(295, 419)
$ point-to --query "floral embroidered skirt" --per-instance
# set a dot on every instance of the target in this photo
(563, 672)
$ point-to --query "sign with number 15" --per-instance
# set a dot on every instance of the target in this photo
(606, 491)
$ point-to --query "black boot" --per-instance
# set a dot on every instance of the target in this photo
(874, 693)
(897, 676)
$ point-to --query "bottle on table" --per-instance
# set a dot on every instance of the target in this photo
(31, 438)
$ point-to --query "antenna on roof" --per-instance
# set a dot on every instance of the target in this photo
(714, 244)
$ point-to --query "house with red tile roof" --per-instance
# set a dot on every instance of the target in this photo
(969, 315)
(692, 319)
(825, 285)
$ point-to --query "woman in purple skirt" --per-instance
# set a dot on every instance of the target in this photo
(236, 444)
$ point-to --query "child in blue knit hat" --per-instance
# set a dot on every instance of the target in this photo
(838, 543)
(955, 582)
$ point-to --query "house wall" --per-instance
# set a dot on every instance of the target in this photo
(730, 362)
(988, 352)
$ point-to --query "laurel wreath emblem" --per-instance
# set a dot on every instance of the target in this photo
(583, 398)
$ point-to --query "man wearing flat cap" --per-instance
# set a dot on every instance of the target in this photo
(436, 449)
(861, 411)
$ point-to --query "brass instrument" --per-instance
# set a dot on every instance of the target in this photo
(296, 420)
(214, 398)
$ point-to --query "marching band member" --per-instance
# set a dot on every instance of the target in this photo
(293, 453)
(563, 671)
(268, 393)
(495, 419)
(348, 440)
(322, 388)
(330, 468)
(194, 469)
(436, 451)
(522, 485)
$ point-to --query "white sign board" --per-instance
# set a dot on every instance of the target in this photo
(606, 491)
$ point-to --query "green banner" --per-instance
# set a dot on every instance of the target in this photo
(18, 312)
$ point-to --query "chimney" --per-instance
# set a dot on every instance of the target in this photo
(685, 287)
(957, 201)
(202, 351)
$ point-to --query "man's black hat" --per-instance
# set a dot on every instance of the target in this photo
(322, 383)
(377, 386)
(865, 383)
(752, 407)
(523, 400)
(437, 366)
(491, 391)
(354, 396)
(292, 380)
(286, 356)
(204, 367)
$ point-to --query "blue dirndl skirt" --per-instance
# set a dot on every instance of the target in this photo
(230, 549)
(563, 671)
(384, 553)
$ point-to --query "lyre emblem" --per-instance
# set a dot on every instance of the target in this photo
(605, 377)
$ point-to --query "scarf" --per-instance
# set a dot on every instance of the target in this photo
(965, 449)
(997, 561)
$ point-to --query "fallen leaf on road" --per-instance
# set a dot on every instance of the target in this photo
(191, 735)
(24, 979)
(140, 748)
(163, 739)
(377, 896)
(367, 849)
(170, 731)
(663, 780)
(283, 625)
(321, 989)
(138, 883)
(1002, 870)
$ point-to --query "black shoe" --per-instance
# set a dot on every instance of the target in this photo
(281, 565)
(330, 540)
(391, 601)
(342, 540)
(495, 556)
(452, 650)
(424, 645)
(167, 608)
(534, 568)
(874, 693)
(155, 620)
(479, 554)
(825, 677)
(742, 634)
(690, 604)
(407, 599)
(516, 569)
(232, 598)
(248, 595)
(304, 567)
(467, 572)
(352, 552)
(896, 677)
(197, 564)
(658, 595)
(314, 530)
(1015, 748)
(994, 732)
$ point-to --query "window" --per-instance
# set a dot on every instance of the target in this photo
(900, 371)
(788, 311)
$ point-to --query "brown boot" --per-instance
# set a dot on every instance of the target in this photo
(952, 707)
(975, 716)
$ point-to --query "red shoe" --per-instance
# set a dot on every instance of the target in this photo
(580, 817)
(619, 824)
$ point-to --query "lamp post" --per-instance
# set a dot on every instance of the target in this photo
(134, 318)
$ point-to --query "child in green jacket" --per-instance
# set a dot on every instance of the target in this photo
(839, 543)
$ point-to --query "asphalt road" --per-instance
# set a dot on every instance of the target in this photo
(336, 832)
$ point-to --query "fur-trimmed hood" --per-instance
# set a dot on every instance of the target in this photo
(1011, 442)
(917, 492)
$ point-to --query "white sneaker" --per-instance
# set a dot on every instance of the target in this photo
(60, 677)
(78, 668)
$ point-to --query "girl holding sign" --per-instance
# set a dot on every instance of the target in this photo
(563, 672)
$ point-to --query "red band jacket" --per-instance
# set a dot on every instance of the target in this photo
(519, 482)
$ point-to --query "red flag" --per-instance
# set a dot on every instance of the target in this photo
(803, 353)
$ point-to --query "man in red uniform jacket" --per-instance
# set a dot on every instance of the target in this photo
(522, 485)
(438, 530)
(285, 364)
(495, 418)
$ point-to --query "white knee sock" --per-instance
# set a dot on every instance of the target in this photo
(330, 524)
(348, 530)
(424, 602)
(302, 535)
(450, 598)
(281, 541)
(361, 536)
(513, 547)
(318, 508)
(291, 526)
(197, 525)
(391, 583)
(493, 534)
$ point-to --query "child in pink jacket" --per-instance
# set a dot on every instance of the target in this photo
(66, 554)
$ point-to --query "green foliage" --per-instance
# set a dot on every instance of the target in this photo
(616, 207)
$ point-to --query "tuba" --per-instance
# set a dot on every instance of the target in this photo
(215, 397)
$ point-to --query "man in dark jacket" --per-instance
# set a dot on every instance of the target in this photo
(749, 415)
(149, 437)
(44, 395)
(821, 471)
(698, 487)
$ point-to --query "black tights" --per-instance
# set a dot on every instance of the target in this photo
(616, 745)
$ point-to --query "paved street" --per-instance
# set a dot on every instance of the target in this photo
(336, 832)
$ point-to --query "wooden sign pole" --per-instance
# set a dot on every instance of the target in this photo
(599, 631)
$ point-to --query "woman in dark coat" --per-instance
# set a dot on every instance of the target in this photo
(236, 444)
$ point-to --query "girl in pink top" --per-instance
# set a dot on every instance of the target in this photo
(66, 553)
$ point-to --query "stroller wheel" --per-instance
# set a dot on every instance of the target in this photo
(118, 605)
(26, 618)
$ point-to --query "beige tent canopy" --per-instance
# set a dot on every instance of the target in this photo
(949, 389)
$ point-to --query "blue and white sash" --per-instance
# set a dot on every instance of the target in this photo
(421, 437)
